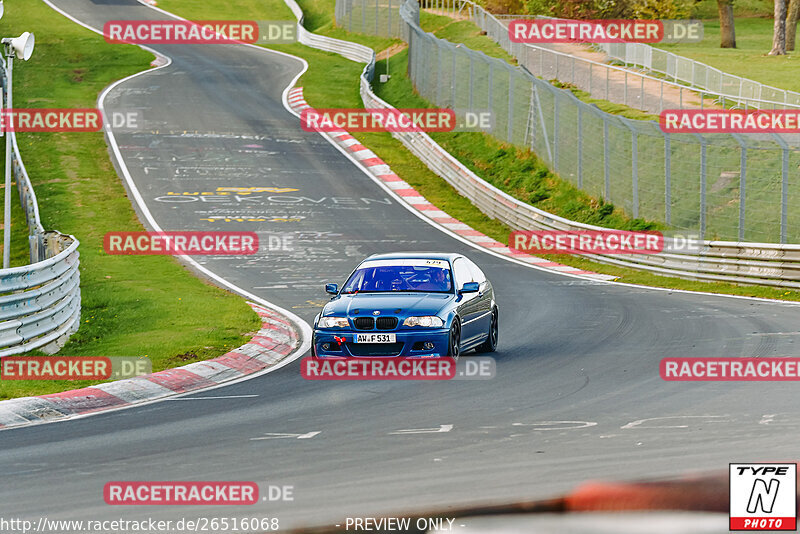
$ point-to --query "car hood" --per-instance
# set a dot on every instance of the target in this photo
(397, 304)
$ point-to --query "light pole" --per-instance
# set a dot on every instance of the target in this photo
(21, 47)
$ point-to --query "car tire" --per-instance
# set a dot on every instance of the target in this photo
(454, 339)
(490, 345)
(314, 346)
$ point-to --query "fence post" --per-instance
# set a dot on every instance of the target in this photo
(541, 62)
(471, 78)
(580, 146)
(641, 100)
(635, 171)
(453, 78)
(703, 169)
(489, 104)
(510, 105)
(784, 187)
(439, 74)
(742, 182)
(667, 179)
(573, 70)
(625, 98)
(555, 132)
(607, 176)
(784, 194)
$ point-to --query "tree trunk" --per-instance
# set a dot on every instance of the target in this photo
(791, 23)
(779, 30)
(727, 30)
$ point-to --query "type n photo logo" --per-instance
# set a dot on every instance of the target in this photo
(763, 497)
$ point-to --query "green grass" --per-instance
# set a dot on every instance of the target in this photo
(131, 305)
(20, 253)
(707, 9)
(464, 32)
(332, 81)
(749, 59)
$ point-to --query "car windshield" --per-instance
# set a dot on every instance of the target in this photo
(420, 275)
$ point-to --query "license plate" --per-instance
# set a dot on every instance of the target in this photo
(375, 338)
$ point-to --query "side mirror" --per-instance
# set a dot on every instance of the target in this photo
(333, 289)
(470, 287)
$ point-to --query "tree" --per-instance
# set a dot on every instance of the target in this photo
(727, 30)
(791, 23)
(779, 30)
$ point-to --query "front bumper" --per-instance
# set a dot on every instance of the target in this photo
(409, 343)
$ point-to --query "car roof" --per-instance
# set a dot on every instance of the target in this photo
(449, 256)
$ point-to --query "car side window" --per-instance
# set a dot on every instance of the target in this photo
(462, 272)
(477, 274)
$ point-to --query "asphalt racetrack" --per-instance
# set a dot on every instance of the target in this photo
(577, 394)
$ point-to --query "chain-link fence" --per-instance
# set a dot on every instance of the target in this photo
(721, 186)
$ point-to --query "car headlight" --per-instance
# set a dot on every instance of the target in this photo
(430, 321)
(333, 322)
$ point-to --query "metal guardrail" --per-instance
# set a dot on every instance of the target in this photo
(726, 261)
(40, 303)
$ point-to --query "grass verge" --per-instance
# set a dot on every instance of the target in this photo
(131, 305)
(332, 81)
(749, 59)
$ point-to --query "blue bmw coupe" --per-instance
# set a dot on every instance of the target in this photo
(408, 304)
